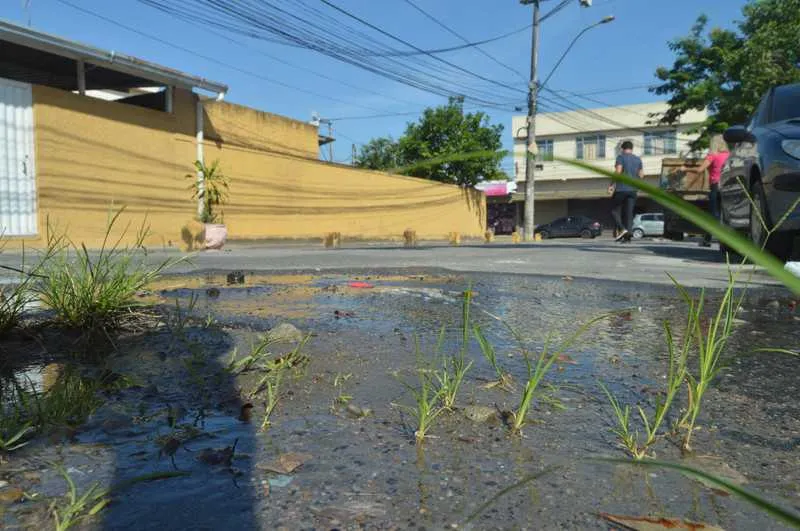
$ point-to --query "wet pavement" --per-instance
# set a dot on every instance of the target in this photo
(183, 415)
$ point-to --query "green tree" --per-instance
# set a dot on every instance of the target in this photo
(444, 145)
(728, 71)
(379, 154)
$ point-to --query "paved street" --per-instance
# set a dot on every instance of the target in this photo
(642, 261)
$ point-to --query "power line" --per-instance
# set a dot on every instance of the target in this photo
(210, 59)
(398, 39)
(453, 32)
(456, 48)
(320, 32)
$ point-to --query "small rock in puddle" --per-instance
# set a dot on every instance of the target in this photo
(216, 456)
(280, 482)
(11, 495)
(286, 463)
(480, 414)
(285, 333)
(357, 411)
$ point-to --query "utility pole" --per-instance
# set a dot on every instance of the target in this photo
(530, 140)
(353, 156)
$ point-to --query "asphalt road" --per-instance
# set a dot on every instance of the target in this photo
(646, 261)
(639, 261)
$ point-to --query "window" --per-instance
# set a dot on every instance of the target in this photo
(590, 147)
(544, 150)
(660, 143)
(786, 103)
(648, 217)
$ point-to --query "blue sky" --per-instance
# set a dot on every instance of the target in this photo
(622, 54)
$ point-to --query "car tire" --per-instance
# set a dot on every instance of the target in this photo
(544, 234)
(586, 234)
(638, 234)
(778, 243)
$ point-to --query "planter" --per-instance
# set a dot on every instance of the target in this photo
(216, 235)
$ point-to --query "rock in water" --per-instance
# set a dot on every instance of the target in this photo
(285, 333)
(480, 414)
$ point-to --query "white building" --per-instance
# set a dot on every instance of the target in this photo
(595, 136)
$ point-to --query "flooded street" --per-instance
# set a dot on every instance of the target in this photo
(177, 434)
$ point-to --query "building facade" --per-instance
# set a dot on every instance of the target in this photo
(594, 136)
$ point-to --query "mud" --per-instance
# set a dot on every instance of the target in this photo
(183, 412)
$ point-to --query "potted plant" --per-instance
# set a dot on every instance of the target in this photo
(212, 190)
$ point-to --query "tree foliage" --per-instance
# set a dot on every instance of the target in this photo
(445, 145)
(727, 71)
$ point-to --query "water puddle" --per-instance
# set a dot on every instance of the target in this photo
(175, 433)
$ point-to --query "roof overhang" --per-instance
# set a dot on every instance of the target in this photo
(109, 60)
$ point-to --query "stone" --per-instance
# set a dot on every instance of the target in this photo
(357, 411)
(286, 463)
(11, 495)
(285, 333)
(480, 414)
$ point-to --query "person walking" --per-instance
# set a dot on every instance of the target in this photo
(718, 154)
(623, 196)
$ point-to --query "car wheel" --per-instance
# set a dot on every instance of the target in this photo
(779, 244)
(544, 234)
(638, 234)
(586, 234)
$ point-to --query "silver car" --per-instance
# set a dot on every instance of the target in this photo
(648, 225)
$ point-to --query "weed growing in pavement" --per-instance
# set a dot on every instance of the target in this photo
(676, 374)
(14, 440)
(710, 341)
(96, 291)
(504, 379)
(259, 354)
(537, 371)
(17, 295)
(177, 321)
(338, 383)
(428, 397)
(272, 380)
(453, 369)
(76, 509)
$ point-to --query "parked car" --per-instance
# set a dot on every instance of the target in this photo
(570, 227)
(648, 225)
(764, 171)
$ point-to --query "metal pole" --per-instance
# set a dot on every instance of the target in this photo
(530, 141)
(330, 136)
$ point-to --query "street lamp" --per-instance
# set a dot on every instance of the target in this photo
(604, 20)
(533, 88)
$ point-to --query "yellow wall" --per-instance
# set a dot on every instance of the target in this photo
(93, 156)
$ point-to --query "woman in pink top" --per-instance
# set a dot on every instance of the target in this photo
(717, 156)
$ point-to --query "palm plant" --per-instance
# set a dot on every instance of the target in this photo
(211, 189)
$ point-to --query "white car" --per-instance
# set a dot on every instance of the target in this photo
(648, 225)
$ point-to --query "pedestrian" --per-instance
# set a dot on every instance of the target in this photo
(718, 154)
(623, 195)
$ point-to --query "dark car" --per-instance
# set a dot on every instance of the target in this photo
(570, 227)
(765, 164)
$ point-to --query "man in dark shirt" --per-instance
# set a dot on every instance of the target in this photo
(624, 196)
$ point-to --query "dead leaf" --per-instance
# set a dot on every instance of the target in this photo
(567, 278)
(286, 463)
(640, 523)
(563, 358)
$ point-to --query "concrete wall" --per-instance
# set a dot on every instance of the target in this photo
(95, 156)
(277, 192)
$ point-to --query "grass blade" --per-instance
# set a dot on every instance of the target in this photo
(702, 220)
